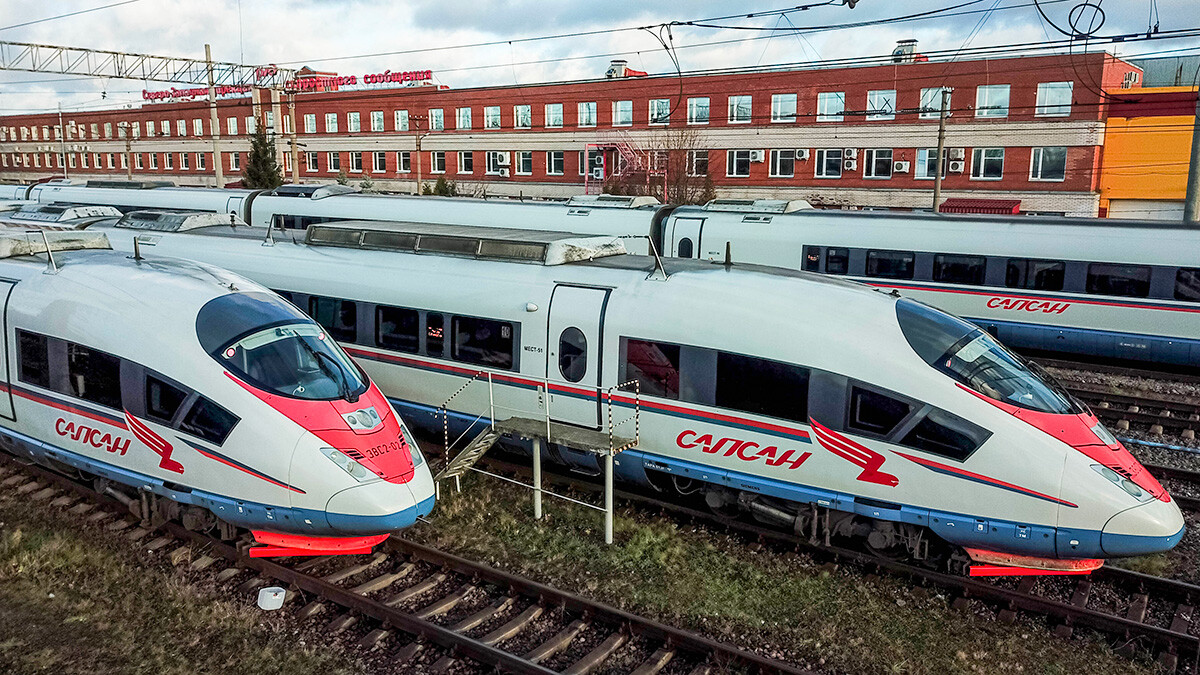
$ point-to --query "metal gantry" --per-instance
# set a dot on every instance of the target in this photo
(37, 58)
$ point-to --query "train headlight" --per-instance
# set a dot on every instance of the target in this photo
(1122, 482)
(417, 458)
(1104, 434)
(357, 471)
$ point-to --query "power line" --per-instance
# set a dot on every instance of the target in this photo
(63, 16)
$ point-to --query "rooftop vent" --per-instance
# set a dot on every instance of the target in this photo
(613, 201)
(61, 213)
(546, 248)
(620, 68)
(313, 191)
(13, 245)
(175, 221)
(758, 205)
(129, 184)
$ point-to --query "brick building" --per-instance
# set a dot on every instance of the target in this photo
(1025, 133)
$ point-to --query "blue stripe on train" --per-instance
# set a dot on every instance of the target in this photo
(1108, 344)
(248, 514)
(962, 529)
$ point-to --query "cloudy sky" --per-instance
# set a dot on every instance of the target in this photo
(447, 36)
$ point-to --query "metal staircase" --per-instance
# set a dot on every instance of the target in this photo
(471, 454)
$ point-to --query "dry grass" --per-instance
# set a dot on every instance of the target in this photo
(76, 601)
(781, 604)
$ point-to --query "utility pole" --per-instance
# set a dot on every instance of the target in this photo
(212, 118)
(941, 147)
(1191, 203)
(62, 141)
(292, 136)
(123, 130)
(416, 120)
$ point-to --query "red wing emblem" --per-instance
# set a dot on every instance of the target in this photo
(856, 454)
(157, 443)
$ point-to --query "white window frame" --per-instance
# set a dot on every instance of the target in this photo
(235, 161)
(870, 156)
(731, 160)
(523, 116)
(377, 121)
(661, 117)
(310, 123)
(492, 164)
(931, 103)
(462, 118)
(153, 160)
(181, 127)
(356, 161)
(437, 119)
(491, 117)
(520, 158)
(197, 127)
(333, 162)
(111, 161)
(980, 158)
(137, 161)
(400, 120)
(735, 104)
(776, 158)
(463, 156)
(823, 156)
(693, 157)
(987, 98)
(149, 129)
(107, 131)
(929, 154)
(201, 161)
(881, 99)
(693, 110)
(379, 159)
(434, 157)
(331, 123)
(353, 122)
(185, 162)
(586, 114)
(551, 157)
(783, 108)
(1036, 157)
(164, 127)
(554, 111)
(403, 161)
(1047, 103)
(625, 110)
(831, 106)
(312, 162)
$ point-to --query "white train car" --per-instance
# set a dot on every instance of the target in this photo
(787, 393)
(202, 391)
(148, 196)
(1106, 288)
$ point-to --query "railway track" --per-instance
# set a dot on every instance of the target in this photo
(1178, 414)
(432, 611)
(1128, 371)
(1136, 610)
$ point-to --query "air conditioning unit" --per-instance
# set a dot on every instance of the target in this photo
(504, 173)
(850, 165)
(598, 173)
(958, 153)
(502, 159)
(851, 153)
(1131, 78)
(802, 155)
(758, 155)
(900, 167)
(957, 166)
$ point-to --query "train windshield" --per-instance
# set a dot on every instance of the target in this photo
(298, 360)
(976, 359)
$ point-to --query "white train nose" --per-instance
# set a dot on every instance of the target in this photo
(1153, 527)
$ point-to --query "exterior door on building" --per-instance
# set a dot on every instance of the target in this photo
(683, 240)
(6, 399)
(573, 348)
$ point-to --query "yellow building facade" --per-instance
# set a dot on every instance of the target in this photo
(1147, 149)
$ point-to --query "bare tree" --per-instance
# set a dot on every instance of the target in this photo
(675, 170)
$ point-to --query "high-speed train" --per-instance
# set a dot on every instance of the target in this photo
(201, 394)
(834, 407)
(1096, 287)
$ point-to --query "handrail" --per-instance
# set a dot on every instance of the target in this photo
(636, 418)
(446, 417)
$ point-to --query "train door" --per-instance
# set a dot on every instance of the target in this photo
(573, 349)
(6, 399)
(683, 241)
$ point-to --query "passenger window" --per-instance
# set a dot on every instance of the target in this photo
(655, 365)
(209, 421)
(1132, 281)
(685, 248)
(1187, 285)
(483, 342)
(398, 329)
(812, 258)
(435, 336)
(941, 433)
(33, 359)
(959, 269)
(837, 261)
(339, 317)
(762, 387)
(94, 376)
(572, 354)
(875, 413)
(1042, 275)
(163, 399)
(890, 264)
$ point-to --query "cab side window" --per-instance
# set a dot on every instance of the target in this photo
(762, 387)
(875, 413)
(163, 399)
(941, 433)
(94, 376)
(209, 421)
(33, 359)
